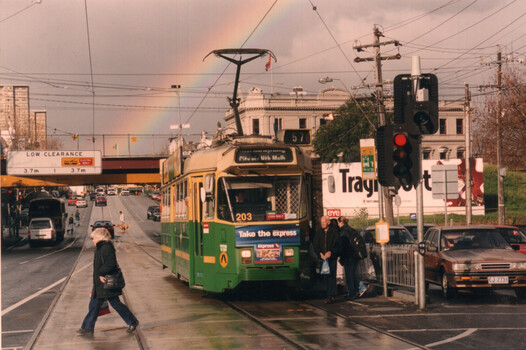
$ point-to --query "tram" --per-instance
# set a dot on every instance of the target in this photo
(237, 212)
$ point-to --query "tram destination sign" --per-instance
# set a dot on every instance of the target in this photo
(263, 155)
(28, 163)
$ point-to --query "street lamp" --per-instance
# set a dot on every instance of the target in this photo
(330, 80)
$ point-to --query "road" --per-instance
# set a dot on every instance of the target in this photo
(32, 277)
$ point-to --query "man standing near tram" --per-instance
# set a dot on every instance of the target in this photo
(325, 246)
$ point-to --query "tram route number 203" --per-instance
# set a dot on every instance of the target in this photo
(244, 217)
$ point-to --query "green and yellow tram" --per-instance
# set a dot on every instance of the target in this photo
(237, 212)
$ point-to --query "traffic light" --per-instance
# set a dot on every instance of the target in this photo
(416, 102)
(398, 155)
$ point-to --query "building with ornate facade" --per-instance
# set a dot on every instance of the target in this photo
(266, 114)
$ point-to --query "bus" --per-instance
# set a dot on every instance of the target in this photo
(238, 212)
(52, 208)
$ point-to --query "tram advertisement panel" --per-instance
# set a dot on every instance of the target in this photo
(267, 240)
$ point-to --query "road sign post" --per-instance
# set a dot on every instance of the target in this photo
(445, 183)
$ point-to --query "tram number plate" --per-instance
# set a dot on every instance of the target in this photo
(498, 280)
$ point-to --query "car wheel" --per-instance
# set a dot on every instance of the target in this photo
(520, 293)
(448, 292)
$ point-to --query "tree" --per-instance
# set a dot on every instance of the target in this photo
(513, 123)
(54, 143)
(339, 140)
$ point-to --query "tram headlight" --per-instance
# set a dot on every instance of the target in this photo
(246, 256)
(288, 253)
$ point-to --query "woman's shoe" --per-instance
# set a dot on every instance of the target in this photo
(132, 327)
(82, 331)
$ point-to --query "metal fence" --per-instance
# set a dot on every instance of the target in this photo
(400, 265)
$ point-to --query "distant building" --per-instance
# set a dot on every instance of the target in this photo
(20, 128)
(264, 114)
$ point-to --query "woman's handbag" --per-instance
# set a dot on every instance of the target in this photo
(325, 269)
(104, 308)
(115, 280)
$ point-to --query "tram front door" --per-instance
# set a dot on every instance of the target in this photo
(197, 234)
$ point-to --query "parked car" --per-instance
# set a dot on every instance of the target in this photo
(41, 230)
(101, 201)
(412, 228)
(104, 224)
(82, 203)
(157, 214)
(398, 234)
(149, 211)
(472, 257)
(513, 235)
(125, 193)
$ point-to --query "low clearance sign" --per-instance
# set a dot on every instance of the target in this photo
(346, 193)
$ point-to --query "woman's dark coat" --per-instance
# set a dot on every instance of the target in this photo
(104, 251)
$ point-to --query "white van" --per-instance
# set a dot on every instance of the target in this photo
(41, 230)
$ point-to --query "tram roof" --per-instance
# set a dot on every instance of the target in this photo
(222, 157)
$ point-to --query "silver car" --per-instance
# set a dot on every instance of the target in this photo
(41, 230)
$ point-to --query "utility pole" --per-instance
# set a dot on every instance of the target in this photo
(500, 170)
(467, 157)
(383, 194)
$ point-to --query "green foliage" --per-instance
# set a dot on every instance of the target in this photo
(339, 140)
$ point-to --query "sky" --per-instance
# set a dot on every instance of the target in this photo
(107, 67)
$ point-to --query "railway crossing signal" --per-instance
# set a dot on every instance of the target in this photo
(398, 155)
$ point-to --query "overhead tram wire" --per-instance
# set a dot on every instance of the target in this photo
(443, 22)
(228, 64)
(462, 30)
(418, 17)
(474, 47)
(345, 56)
(91, 72)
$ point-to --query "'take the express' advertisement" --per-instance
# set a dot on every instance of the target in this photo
(267, 240)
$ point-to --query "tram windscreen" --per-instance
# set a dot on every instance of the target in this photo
(245, 199)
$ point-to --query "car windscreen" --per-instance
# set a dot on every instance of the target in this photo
(37, 224)
(513, 235)
(102, 223)
(473, 239)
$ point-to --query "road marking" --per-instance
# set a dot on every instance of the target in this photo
(460, 336)
(23, 262)
(25, 300)
(15, 332)
(66, 247)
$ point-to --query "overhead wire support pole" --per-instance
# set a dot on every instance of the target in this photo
(467, 157)
(500, 171)
(382, 195)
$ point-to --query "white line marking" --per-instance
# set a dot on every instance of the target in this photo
(460, 336)
(25, 300)
(22, 331)
(23, 262)
(66, 247)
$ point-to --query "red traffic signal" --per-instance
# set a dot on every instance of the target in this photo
(398, 156)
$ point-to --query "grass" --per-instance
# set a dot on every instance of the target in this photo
(514, 202)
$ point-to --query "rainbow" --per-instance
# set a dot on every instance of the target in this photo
(229, 36)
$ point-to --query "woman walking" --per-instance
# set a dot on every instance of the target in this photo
(105, 262)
